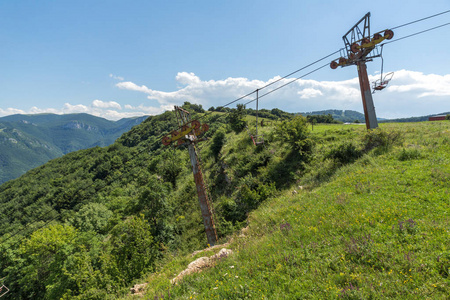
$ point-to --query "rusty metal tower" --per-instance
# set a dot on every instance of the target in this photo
(190, 130)
(360, 47)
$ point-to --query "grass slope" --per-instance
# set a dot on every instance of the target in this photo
(375, 228)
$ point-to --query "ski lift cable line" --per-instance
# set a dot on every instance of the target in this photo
(417, 33)
(284, 77)
(287, 83)
(419, 20)
(301, 69)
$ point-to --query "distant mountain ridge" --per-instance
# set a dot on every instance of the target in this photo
(351, 116)
(415, 119)
(28, 141)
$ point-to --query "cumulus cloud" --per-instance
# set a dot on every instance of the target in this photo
(101, 104)
(409, 93)
(11, 111)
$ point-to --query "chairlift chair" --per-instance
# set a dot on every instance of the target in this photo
(3, 290)
(381, 83)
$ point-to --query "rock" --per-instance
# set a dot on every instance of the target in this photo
(202, 263)
(138, 289)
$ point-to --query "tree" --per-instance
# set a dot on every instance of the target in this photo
(295, 133)
(44, 254)
(236, 118)
(91, 217)
(133, 249)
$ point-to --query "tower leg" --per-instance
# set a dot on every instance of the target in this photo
(366, 94)
(208, 221)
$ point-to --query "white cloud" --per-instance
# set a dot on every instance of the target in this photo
(409, 93)
(11, 111)
(110, 104)
(72, 109)
(116, 77)
(405, 95)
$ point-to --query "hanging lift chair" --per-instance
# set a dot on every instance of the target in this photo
(381, 83)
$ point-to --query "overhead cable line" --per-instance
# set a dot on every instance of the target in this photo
(416, 21)
(284, 77)
(417, 33)
(282, 86)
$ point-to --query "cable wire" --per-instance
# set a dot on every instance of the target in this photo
(417, 33)
(281, 86)
(416, 21)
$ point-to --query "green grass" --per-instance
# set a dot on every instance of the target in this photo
(377, 228)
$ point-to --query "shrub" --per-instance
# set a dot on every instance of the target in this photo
(218, 141)
(408, 154)
(378, 138)
(295, 132)
(236, 118)
(345, 153)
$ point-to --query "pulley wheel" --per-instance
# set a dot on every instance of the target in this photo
(376, 36)
(354, 47)
(333, 65)
(388, 34)
(195, 124)
(166, 141)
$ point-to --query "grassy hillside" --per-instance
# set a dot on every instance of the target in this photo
(28, 141)
(358, 223)
(332, 213)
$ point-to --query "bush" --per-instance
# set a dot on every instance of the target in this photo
(378, 138)
(345, 153)
(218, 141)
(236, 118)
(408, 154)
(295, 132)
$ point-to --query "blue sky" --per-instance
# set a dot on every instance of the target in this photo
(124, 58)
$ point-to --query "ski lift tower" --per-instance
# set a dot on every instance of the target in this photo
(190, 130)
(360, 47)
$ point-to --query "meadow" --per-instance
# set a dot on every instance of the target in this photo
(367, 218)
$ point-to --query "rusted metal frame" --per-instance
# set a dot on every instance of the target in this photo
(366, 94)
(183, 116)
(356, 33)
(203, 200)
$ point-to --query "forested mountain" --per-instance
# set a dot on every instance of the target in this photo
(28, 141)
(414, 119)
(329, 212)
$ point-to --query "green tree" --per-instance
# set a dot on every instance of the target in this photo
(236, 118)
(295, 133)
(44, 255)
(133, 251)
(91, 217)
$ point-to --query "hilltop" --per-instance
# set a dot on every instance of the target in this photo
(334, 212)
(28, 141)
